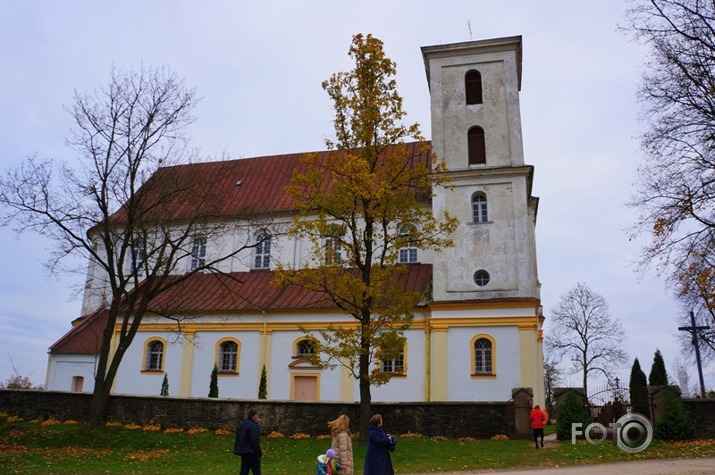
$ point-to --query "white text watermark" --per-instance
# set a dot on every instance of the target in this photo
(633, 433)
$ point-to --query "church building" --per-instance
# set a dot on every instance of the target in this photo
(476, 335)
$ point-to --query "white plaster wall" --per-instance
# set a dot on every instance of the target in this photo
(279, 375)
(243, 386)
(412, 387)
(498, 115)
(130, 378)
(63, 368)
(503, 246)
(461, 386)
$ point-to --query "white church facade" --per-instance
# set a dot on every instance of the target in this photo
(475, 336)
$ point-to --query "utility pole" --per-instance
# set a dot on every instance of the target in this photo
(694, 331)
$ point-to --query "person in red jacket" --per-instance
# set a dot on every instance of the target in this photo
(537, 419)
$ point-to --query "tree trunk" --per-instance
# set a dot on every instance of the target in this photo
(365, 397)
(98, 404)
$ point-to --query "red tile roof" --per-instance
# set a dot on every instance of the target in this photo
(237, 292)
(85, 338)
(263, 181)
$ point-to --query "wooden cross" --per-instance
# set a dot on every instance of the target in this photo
(694, 331)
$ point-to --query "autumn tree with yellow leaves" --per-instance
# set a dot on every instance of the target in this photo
(359, 205)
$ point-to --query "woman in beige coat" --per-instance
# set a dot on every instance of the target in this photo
(342, 444)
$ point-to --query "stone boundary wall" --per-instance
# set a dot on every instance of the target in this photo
(480, 420)
(702, 413)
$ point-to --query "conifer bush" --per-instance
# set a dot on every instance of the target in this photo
(165, 386)
(213, 386)
(262, 387)
(675, 423)
(638, 389)
(571, 411)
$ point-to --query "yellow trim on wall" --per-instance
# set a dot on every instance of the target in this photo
(187, 359)
(439, 365)
(346, 384)
(217, 351)
(473, 367)
(144, 369)
(436, 324)
(113, 344)
(485, 305)
(305, 375)
(532, 363)
(444, 323)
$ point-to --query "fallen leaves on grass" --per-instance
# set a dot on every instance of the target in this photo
(196, 430)
(70, 452)
(13, 448)
(144, 456)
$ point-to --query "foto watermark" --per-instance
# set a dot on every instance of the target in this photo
(633, 433)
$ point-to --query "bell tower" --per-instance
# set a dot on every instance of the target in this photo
(476, 128)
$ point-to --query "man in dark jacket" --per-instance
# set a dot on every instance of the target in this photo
(248, 445)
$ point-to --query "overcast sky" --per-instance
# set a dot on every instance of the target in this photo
(258, 66)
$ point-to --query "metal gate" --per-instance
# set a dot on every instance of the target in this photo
(608, 403)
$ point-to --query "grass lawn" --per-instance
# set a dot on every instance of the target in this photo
(53, 447)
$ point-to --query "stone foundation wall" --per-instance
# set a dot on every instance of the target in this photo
(702, 413)
(448, 419)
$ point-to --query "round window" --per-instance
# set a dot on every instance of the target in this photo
(481, 278)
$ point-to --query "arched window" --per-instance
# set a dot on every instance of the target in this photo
(263, 251)
(154, 356)
(476, 146)
(304, 348)
(473, 87)
(408, 253)
(479, 208)
(483, 348)
(198, 253)
(228, 356)
(138, 255)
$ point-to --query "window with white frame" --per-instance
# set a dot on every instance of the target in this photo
(483, 356)
(228, 357)
(408, 253)
(138, 251)
(198, 253)
(394, 366)
(479, 208)
(263, 251)
(333, 252)
(154, 356)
